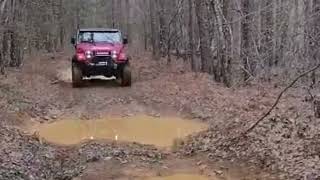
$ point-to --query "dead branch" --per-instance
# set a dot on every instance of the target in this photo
(278, 99)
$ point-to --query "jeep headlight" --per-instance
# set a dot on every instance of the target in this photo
(114, 55)
(89, 54)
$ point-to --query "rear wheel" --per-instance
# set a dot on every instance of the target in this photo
(125, 77)
(77, 76)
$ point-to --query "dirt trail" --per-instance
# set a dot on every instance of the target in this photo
(43, 94)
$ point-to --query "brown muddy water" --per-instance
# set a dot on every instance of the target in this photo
(160, 132)
(180, 177)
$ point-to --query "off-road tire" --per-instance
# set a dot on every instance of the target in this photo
(125, 76)
(77, 76)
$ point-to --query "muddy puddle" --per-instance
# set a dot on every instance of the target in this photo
(180, 177)
(160, 132)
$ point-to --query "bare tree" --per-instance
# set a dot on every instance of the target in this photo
(192, 48)
(202, 13)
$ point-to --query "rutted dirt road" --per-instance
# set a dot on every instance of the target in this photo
(41, 92)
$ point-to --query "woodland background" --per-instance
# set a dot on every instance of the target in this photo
(234, 40)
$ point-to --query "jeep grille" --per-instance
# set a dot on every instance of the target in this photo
(98, 59)
(102, 53)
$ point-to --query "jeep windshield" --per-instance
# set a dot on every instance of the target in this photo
(101, 36)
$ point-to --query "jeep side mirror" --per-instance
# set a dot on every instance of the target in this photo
(125, 41)
(73, 40)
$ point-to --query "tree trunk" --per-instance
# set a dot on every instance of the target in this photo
(113, 2)
(267, 33)
(154, 31)
(128, 19)
(204, 34)
(192, 49)
(245, 39)
(162, 25)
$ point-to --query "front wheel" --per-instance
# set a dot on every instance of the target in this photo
(77, 77)
(125, 76)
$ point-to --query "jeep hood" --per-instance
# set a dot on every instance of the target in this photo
(100, 46)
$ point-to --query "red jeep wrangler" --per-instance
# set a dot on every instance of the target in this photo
(100, 52)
